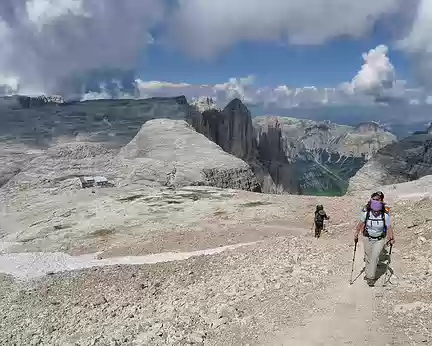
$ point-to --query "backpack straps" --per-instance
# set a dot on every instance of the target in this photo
(366, 220)
(383, 214)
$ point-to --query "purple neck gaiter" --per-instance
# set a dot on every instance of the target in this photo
(376, 205)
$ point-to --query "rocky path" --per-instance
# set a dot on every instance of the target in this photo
(288, 289)
(343, 314)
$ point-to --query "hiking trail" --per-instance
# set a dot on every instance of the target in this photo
(343, 314)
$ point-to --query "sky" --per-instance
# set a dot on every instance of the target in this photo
(276, 53)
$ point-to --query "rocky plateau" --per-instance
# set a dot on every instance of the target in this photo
(181, 248)
(286, 155)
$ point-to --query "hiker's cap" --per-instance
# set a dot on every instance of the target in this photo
(378, 194)
(320, 207)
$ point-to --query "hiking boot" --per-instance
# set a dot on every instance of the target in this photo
(370, 282)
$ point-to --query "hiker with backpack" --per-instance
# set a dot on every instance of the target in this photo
(320, 216)
(375, 225)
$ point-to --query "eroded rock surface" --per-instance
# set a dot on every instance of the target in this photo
(402, 161)
(319, 157)
(188, 157)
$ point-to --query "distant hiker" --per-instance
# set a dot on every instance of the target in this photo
(375, 225)
(320, 216)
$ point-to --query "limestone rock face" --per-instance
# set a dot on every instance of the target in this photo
(26, 102)
(402, 161)
(319, 156)
(232, 129)
(203, 104)
(184, 157)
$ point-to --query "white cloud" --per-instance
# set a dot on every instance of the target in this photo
(206, 28)
(45, 42)
(43, 12)
(376, 75)
(245, 89)
(159, 85)
(418, 42)
(105, 92)
(419, 39)
(241, 88)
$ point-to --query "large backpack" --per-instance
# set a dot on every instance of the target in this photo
(385, 211)
(319, 219)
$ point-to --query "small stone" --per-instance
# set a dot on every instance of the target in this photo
(219, 322)
(197, 337)
(36, 341)
(157, 326)
(141, 286)
(100, 301)
(278, 286)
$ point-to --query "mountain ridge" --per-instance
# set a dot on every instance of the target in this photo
(270, 155)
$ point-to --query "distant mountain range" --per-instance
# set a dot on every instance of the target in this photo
(402, 119)
(289, 155)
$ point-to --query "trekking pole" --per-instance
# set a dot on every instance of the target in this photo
(388, 265)
(353, 261)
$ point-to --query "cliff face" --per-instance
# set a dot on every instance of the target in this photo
(271, 149)
(322, 156)
(232, 129)
(402, 161)
(26, 102)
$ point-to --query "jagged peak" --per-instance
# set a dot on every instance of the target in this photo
(369, 126)
(236, 104)
(273, 121)
(204, 103)
(321, 126)
(43, 98)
